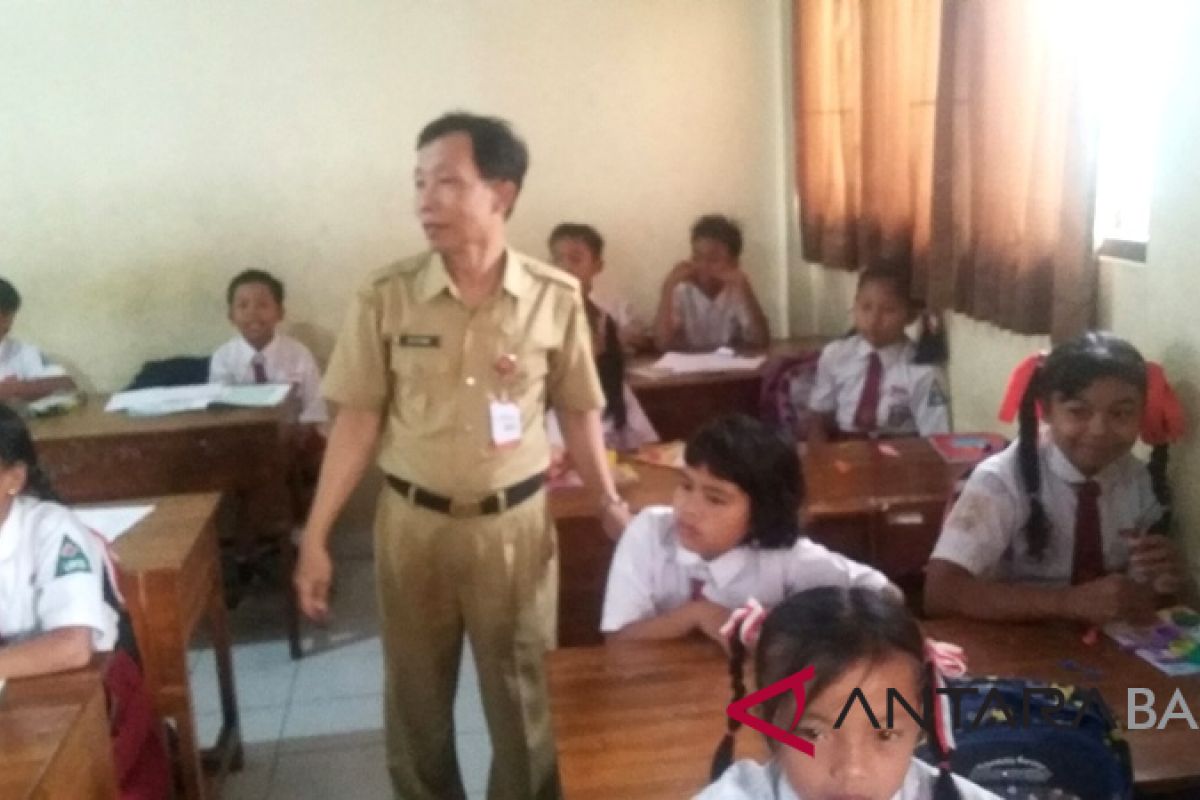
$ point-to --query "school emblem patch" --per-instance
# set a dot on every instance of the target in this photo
(937, 395)
(71, 559)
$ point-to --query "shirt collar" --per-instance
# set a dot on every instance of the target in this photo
(889, 355)
(721, 570)
(249, 350)
(435, 278)
(1060, 465)
(10, 531)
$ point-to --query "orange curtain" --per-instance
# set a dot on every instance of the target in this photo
(866, 79)
(947, 138)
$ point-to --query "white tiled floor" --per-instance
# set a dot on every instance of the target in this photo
(314, 728)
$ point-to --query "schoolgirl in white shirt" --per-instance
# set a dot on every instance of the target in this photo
(731, 533)
(1059, 526)
(854, 639)
(877, 381)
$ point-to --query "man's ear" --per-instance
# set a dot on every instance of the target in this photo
(505, 193)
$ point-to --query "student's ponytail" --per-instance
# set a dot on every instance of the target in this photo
(931, 341)
(1037, 532)
(1162, 489)
(723, 757)
(944, 788)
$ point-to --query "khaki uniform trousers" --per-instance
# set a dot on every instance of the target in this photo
(495, 578)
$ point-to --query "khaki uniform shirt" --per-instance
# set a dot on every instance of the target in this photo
(411, 349)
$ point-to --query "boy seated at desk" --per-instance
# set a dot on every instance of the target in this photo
(579, 250)
(707, 301)
(261, 354)
(24, 372)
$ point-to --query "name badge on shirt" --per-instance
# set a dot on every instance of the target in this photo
(420, 340)
(506, 423)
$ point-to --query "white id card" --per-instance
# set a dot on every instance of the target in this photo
(506, 423)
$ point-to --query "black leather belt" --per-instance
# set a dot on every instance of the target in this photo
(493, 503)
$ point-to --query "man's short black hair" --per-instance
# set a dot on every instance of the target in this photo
(10, 298)
(584, 233)
(719, 228)
(740, 449)
(500, 155)
(273, 284)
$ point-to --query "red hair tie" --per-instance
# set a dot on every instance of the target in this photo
(1018, 382)
(946, 660)
(1162, 422)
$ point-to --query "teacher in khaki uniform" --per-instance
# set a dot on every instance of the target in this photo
(446, 362)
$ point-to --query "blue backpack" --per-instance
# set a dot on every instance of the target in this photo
(1081, 757)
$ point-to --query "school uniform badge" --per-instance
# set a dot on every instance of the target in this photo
(71, 559)
(937, 395)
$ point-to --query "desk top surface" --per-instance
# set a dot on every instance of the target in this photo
(641, 720)
(780, 347)
(90, 420)
(37, 715)
(863, 476)
(165, 538)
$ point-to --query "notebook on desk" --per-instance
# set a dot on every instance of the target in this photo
(161, 400)
(967, 448)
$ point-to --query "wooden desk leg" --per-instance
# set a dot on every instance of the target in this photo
(287, 557)
(227, 753)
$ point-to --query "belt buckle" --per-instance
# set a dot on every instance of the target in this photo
(462, 509)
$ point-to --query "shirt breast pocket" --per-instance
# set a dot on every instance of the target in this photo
(419, 379)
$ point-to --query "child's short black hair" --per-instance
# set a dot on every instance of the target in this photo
(16, 447)
(584, 233)
(10, 298)
(499, 152)
(719, 228)
(273, 284)
(1069, 369)
(745, 452)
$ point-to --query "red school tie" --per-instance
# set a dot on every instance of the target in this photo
(260, 369)
(1089, 551)
(697, 588)
(868, 402)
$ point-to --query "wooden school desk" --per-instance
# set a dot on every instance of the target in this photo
(170, 574)
(585, 550)
(641, 720)
(1165, 760)
(679, 404)
(92, 456)
(54, 740)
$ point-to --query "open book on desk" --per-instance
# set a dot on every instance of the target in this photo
(161, 400)
(720, 360)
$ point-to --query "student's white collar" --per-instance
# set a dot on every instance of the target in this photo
(266, 349)
(721, 570)
(10, 531)
(889, 355)
(1061, 466)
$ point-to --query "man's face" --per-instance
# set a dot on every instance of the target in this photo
(458, 207)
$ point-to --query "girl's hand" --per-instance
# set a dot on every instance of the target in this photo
(1113, 597)
(682, 272)
(709, 618)
(1156, 562)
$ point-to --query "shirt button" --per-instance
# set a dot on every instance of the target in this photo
(470, 381)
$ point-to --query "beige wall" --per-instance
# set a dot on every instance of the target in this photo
(150, 150)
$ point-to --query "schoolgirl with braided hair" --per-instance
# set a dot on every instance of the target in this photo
(850, 638)
(1066, 522)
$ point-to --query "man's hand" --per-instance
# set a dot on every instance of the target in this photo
(314, 574)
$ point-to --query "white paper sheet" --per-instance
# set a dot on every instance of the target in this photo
(720, 360)
(176, 399)
(112, 521)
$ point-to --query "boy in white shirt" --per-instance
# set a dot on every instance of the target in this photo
(707, 301)
(24, 372)
(261, 354)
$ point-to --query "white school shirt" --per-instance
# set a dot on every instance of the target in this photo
(709, 323)
(51, 575)
(24, 361)
(750, 780)
(985, 531)
(637, 432)
(912, 397)
(652, 572)
(285, 359)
